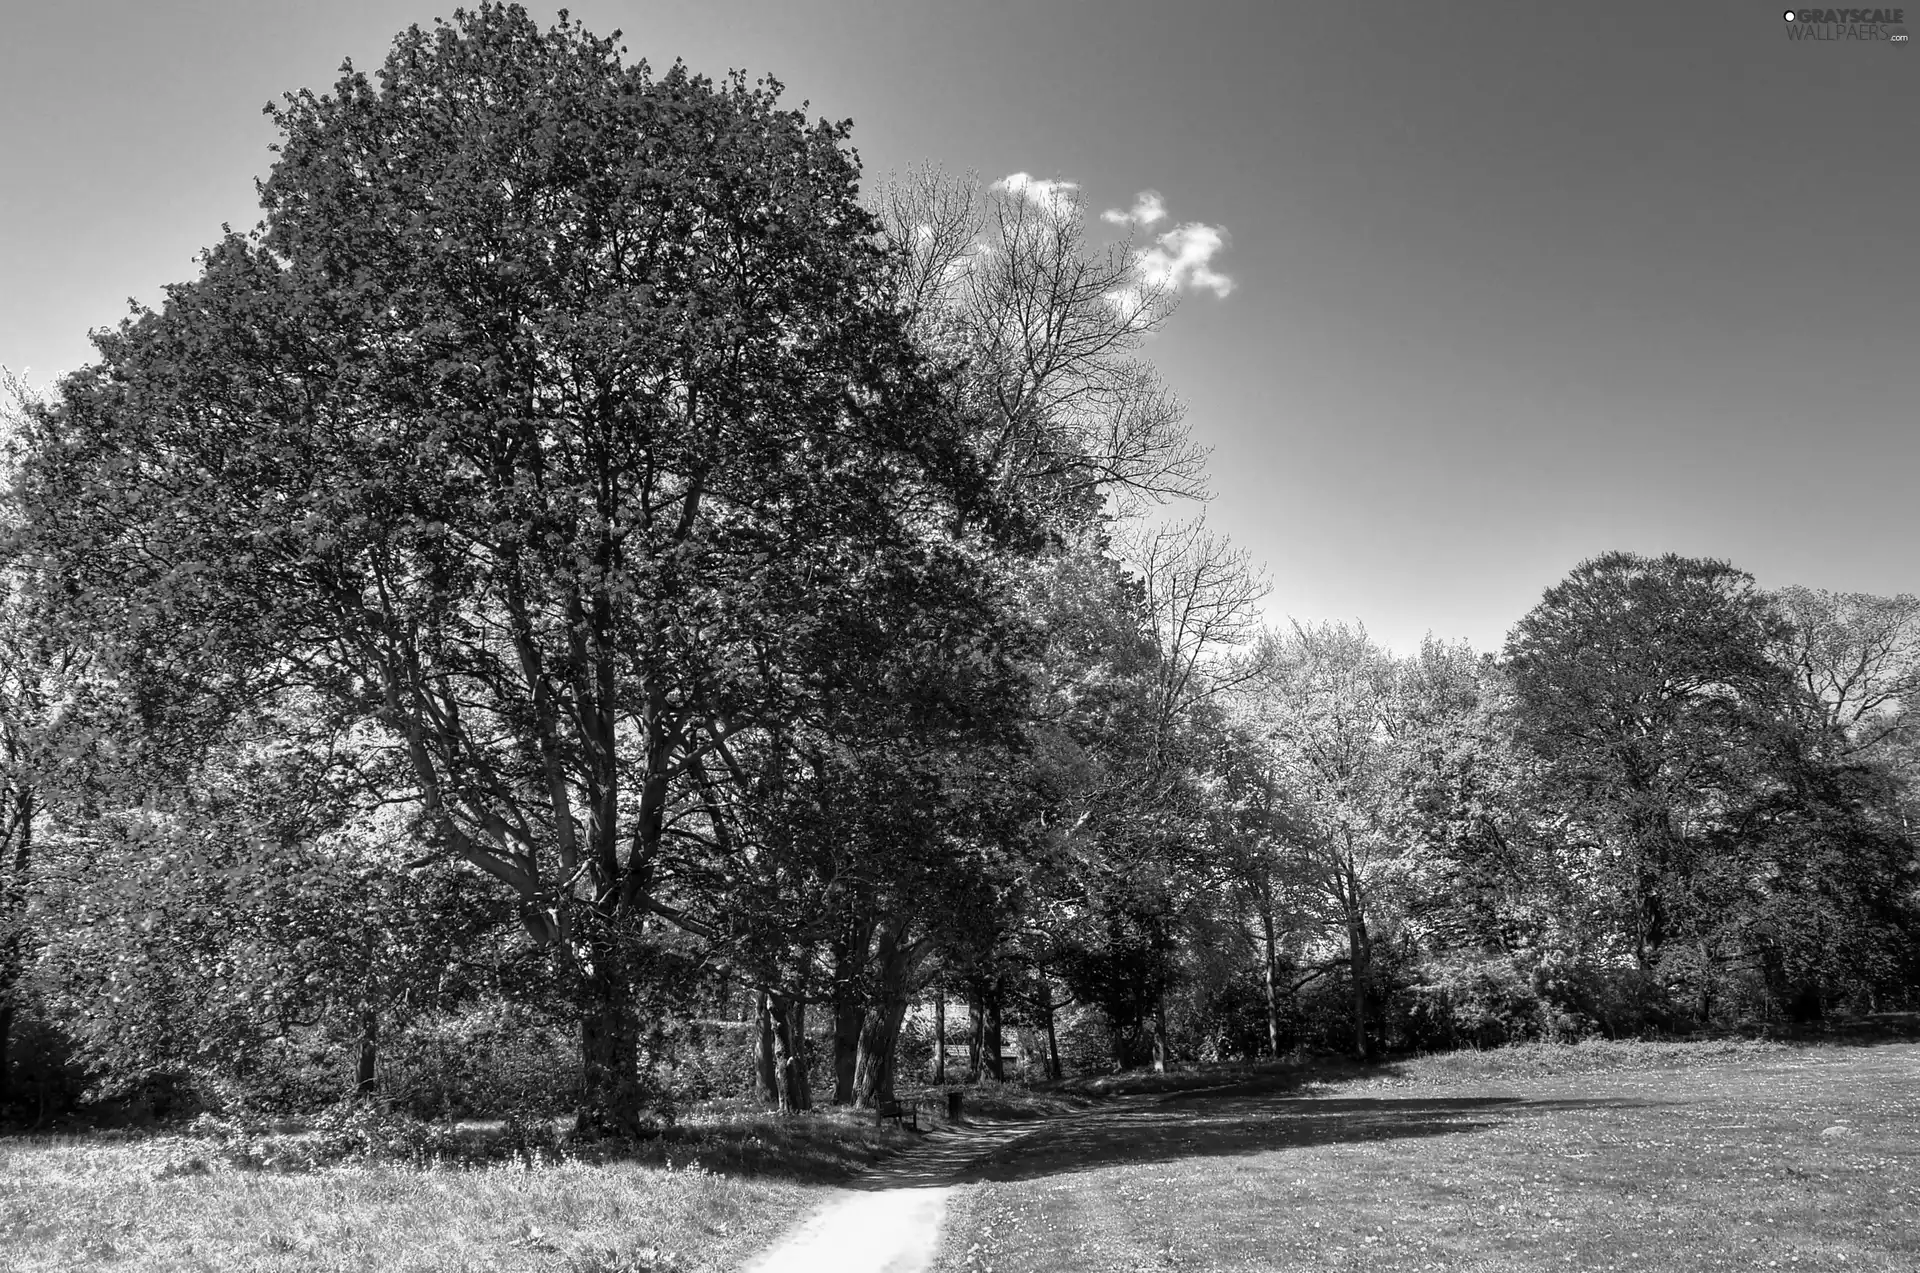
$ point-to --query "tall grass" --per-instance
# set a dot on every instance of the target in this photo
(699, 1198)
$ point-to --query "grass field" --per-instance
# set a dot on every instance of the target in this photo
(703, 1198)
(1714, 1156)
(1613, 1156)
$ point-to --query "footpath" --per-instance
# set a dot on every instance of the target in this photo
(888, 1221)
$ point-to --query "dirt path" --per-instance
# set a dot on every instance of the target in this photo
(889, 1221)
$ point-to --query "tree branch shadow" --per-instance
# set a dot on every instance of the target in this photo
(1244, 1119)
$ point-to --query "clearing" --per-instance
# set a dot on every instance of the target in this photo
(1631, 1157)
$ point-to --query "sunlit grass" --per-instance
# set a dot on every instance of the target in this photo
(1591, 1056)
(168, 1202)
(1749, 1157)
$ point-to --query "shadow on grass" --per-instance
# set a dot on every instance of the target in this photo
(820, 1148)
(1246, 1118)
(999, 1102)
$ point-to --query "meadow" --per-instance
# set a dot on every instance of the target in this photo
(1605, 1156)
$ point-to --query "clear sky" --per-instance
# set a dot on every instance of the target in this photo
(1513, 284)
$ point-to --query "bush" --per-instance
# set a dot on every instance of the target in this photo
(705, 1059)
(1581, 994)
(1322, 1014)
(479, 1063)
(1470, 1001)
(1086, 1046)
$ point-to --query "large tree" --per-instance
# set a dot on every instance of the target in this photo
(1647, 689)
(1325, 705)
(558, 428)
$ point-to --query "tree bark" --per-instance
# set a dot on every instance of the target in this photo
(13, 918)
(976, 1034)
(991, 1037)
(850, 953)
(1126, 1046)
(1053, 1042)
(802, 1080)
(611, 1099)
(766, 1084)
(1359, 958)
(939, 1035)
(847, 1021)
(363, 1084)
(1273, 984)
(880, 1033)
(787, 1019)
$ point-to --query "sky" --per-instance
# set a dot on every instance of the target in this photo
(1497, 287)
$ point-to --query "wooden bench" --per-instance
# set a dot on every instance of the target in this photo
(897, 1110)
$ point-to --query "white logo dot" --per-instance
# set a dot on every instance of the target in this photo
(1789, 15)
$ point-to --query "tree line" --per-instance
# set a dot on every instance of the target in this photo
(582, 561)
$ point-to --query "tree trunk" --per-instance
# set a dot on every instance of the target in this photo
(847, 1020)
(880, 1033)
(991, 1040)
(939, 1036)
(976, 1034)
(851, 951)
(369, 1044)
(1053, 1042)
(610, 1097)
(1655, 835)
(1160, 1034)
(1359, 958)
(849, 1011)
(784, 1014)
(1273, 985)
(766, 1084)
(1706, 985)
(802, 1081)
(1126, 1045)
(10, 970)
(13, 918)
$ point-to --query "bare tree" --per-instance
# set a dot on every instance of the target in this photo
(1003, 278)
(1858, 658)
(1202, 597)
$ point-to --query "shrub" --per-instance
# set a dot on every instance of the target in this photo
(1473, 1001)
(478, 1063)
(1086, 1046)
(704, 1059)
(1583, 994)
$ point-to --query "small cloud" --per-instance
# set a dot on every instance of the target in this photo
(1183, 258)
(1148, 207)
(1055, 197)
